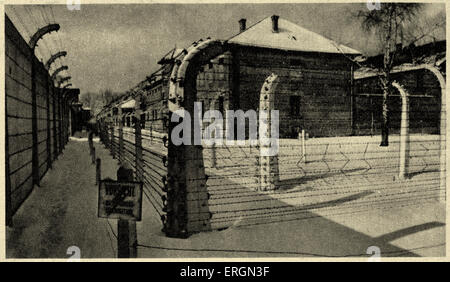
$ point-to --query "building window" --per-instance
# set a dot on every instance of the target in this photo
(294, 102)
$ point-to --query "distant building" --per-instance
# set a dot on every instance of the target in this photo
(422, 85)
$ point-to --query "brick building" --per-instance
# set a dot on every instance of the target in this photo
(314, 91)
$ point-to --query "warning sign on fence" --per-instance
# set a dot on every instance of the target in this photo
(120, 199)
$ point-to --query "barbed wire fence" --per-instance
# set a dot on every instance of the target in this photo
(316, 177)
(330, 167)
(36, 127)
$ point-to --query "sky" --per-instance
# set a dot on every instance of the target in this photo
(116, 46)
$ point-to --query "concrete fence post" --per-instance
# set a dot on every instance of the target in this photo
(107, 134)
(151, 131)
(66, 115)
(62, 121)
(8, 204)
(34, 124)
(119, 114)
(69, 131)
(404, 132)
(55, 135)
(48, 143)
(66, 121)
(269, 171)
(60, 146)
(303, 146)
(138, 140)
(126, 229)
(93, 155)
(112, 141)
(442, 133)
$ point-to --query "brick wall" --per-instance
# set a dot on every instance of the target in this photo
(320, 81)
(234, 79)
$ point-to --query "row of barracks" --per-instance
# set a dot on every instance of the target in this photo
(321, 89)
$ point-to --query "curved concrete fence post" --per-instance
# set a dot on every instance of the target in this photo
(186, 207)
(269, 171)
(442, 132)
(404, 132)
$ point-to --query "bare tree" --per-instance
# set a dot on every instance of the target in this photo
(107, 96)
(388, 22)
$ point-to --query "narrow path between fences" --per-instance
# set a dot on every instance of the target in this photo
(62, 212)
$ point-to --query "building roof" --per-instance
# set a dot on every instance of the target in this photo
(128, 104)
(429, 53)
(289, 37)
(407, 59)
(369, 72)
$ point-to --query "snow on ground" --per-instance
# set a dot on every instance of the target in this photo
(63, 213)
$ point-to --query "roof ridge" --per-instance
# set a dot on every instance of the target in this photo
(316, 42)
(248, 28)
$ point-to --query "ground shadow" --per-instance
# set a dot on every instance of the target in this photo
(288, 184)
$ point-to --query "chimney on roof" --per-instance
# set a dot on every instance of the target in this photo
(242, 26)
(275, 23)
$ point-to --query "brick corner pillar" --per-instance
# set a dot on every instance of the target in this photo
(187, 196)
(268, 139)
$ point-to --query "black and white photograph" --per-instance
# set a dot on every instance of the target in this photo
(215, 130)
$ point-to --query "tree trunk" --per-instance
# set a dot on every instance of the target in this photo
(385, 121)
